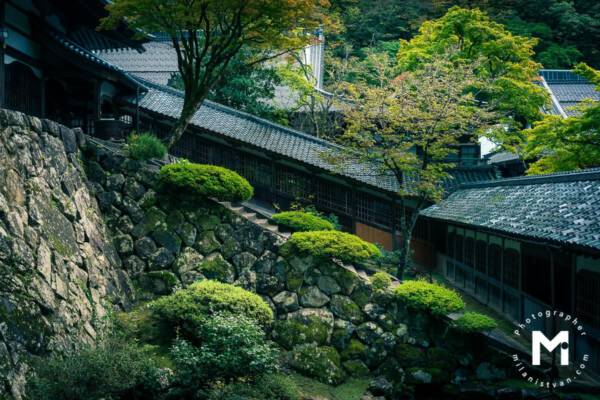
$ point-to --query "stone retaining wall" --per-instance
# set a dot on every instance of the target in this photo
(165, 246)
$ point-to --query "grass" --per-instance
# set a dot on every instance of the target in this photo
(352, 389)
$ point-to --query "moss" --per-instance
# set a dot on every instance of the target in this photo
(201, 181)
(355, 349)
(352, 389)
(321, 363)
(291, 332)
(440, 358)
(355, 368)
(216, 269)
(409, 356)
(438, 376)
(381, 280)
(167, 277)
(423, 295)
(332, 244)
(302, 221)
(471, 322)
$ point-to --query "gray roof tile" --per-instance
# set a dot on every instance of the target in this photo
(562, 207)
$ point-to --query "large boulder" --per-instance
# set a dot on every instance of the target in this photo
(322, 363)
(304, 326)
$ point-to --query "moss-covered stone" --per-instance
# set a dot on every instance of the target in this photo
(321, 363)
(409, 355)
(355, 349)
(345, 308)
(355, 368)
(304, 326)
(217, 268)
(207, 243)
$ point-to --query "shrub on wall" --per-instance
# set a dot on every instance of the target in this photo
(303, 221)
(231, 347)
(423, 295)
(187, 309)
(381, 280)
(145, 147)
(471, 322)
(340, 245)
(201, 180)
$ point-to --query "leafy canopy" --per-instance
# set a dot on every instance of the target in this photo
(506, 59)
(208, 34)
(566, 144)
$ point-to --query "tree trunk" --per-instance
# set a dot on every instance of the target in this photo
(405, 253)
(187, 113)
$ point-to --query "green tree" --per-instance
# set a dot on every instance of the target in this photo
(565, 144)
(506, 60)
(408, 126)
(208, 34)
(248, 88)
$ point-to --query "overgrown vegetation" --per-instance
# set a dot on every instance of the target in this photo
(333, 244)
(201, 181)
(430, 297)
(302, 221)
(381, 280)
(144, 147)
(471, 322)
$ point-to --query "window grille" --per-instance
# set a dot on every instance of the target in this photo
(511, 268)
(481, 256)
(495, 261)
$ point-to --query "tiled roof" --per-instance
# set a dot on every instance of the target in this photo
(563, 208)
(567, 90)
(157, 62)
(263, 134)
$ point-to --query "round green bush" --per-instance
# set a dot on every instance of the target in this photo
(186, 310)
(423, 295)
(145, 147)
(231, 347)
(303, 221)
(340, 245)
(199, 180)
(381, 280)
(471, 322)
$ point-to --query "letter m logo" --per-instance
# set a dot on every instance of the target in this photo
(538, 339)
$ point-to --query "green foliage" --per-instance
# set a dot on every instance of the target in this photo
(199, 180)
(302, 221)
(343, 246)
(409, 355)
(566, 144)
(423, 295)
(381, 280)
(231, 347)
(188, 309)
(271, 387)
(321, 363)
(475, 322)
(145, 147)
(509, 81)
(113, 370)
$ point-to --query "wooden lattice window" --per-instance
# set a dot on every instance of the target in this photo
(481, 256)
(332, 196)
(469, 251)
(373, 210)
(459, 248)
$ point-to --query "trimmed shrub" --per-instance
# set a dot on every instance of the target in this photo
(199, 180)
(232, 347)
(423, 295)
(471, 322)
(114, 369)
(381, 280)
(303, 221)
(187, 309)
(145, 147)
(340, 245)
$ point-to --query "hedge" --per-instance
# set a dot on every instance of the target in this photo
(343, 246)
(423, 295)
(471, 322)
(145, 147)
(201, 180)
(187, 309)
(303, 221)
